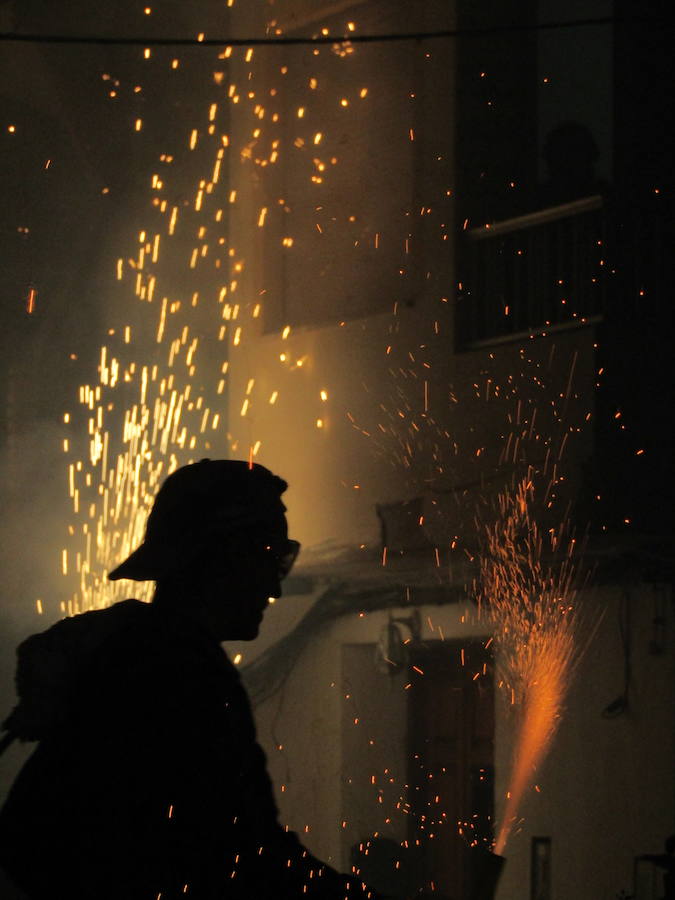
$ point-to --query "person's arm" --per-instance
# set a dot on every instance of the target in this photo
(216, 820)
(279, 857)
(284, 860)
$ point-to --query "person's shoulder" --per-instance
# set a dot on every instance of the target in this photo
(154, 648)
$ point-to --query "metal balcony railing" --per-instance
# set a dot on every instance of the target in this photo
(534, 273)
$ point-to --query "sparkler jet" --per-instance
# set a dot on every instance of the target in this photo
(147, 780)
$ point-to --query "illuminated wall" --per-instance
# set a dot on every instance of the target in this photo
(344, 217)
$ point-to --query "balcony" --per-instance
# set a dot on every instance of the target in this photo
(535, 273)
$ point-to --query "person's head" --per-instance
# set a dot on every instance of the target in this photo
(570, 152)
(216, 544)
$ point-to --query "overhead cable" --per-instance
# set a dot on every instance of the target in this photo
(286, 40)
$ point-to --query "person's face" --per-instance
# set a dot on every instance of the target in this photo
(236, 589)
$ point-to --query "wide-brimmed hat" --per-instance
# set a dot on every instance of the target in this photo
(198, 508)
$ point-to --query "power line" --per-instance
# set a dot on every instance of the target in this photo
(483, 31)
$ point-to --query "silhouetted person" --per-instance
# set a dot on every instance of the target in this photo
(147, 781)
(570, 153)
(388, 866)
(666, 861)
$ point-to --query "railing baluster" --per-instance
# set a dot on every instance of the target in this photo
(518, 264)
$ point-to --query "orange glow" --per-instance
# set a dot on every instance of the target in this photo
(533, 613)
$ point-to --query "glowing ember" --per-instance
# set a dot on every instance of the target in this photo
(531, 607)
